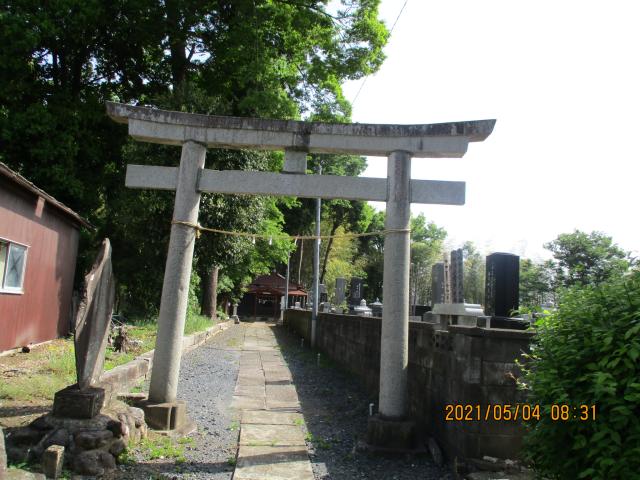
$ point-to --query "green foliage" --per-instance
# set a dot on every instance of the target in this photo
(587, 258)
(60, 61)
(426, 246)
(474, 274)
(587, 354)
(536, 283)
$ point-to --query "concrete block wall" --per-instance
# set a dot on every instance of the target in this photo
(462, 365)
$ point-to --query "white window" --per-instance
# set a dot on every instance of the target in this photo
(13, 260)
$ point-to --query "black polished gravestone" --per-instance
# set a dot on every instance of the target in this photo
(356, 291)
(502, 290)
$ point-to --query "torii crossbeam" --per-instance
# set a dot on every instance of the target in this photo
(195, 133)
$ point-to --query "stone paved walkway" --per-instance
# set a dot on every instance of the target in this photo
(272, 436)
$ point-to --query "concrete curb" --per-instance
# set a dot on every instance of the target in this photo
(124, 376)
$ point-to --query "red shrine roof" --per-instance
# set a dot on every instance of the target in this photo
(274, 284)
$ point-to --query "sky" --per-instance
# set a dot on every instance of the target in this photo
(562, 79)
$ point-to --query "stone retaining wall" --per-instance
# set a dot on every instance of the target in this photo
(461, 365)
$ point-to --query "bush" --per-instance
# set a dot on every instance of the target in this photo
(587, 354)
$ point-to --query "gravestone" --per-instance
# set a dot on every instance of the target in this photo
(93, 321)
(341, 287)
(437, 283)
(322, 293)
(457, 276)
(356, 291)
(502, 290)
(376, 308)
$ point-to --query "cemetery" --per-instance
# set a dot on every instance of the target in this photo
(213, 267)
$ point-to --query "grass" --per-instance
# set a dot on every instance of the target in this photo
(318, 442)
(163, 448)
(196, 323)
(50, 368)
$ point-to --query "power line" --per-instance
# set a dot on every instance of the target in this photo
(390, 32)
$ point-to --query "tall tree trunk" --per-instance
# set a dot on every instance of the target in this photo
(334, 227)
(209, 300)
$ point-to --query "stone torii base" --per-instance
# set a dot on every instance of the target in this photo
(399, 143)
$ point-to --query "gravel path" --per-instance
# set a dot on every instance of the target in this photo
(207, 381)
(335, 407)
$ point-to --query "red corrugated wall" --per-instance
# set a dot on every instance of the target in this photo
(42, 312)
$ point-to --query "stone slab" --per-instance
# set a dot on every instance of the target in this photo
(271, 435)
(93, 318)
(247, 403)
(266, 417)
(250, 390)
(275, 404)
(250, 381)
(52, 461)
(281, 392)
(273, 463)
(3, 455)
(71, 402)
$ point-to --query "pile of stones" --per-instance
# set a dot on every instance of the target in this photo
(85, 446)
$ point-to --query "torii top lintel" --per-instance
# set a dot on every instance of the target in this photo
(438, 140)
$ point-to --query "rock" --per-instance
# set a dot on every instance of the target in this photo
(18, 453)
(117, 447)
(118, 428)
(25, 436)
(17, 474)
(59, 436)
(41, 423)
(92, 439)
(435, 451)
(52, 461)
(138, 416)
(93, 462)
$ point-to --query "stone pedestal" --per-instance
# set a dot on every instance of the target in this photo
(71, 402)
(386, 434)
(169, 416)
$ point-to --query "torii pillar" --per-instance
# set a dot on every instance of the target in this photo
(391, 427)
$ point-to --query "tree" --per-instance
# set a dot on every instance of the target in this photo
(586, 354)
(474, 274)
(372, 249)
(60, 61)
(536, 283)
(426, 247)
(587, 258)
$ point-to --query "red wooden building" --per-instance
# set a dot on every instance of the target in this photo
(264, 295)
(38, 248)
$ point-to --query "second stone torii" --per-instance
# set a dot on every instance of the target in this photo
(195, 133)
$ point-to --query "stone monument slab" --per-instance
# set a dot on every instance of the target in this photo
(94, 318)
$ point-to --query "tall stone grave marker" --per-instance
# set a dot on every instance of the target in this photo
(457, 277)
(437, 283)
(356, 292)
(502, 287)
(341, 287)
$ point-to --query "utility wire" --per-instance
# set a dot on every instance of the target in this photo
(390, 32)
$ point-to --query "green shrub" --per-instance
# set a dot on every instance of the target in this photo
(587, 353)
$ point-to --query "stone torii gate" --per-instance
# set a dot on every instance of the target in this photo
(195, 133)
